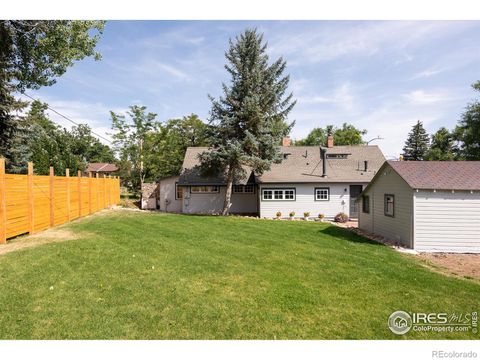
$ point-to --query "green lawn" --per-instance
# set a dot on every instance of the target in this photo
(136, 275)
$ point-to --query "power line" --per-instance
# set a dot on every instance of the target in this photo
(66, 118)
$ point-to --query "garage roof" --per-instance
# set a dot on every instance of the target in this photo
(439, 175)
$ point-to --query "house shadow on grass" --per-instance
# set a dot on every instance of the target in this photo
(345, 234)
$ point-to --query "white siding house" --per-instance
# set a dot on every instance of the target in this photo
(169, 200)
(432, 206)
(327, 198)
(212, 202)
(314, 179)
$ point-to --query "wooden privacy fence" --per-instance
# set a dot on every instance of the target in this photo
(31, 203)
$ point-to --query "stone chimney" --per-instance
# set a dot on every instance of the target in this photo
(330, 141)
(286, 141)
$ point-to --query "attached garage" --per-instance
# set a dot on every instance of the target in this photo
(425, 205)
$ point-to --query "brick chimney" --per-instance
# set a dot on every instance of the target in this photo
(286, 141)
(330, 141)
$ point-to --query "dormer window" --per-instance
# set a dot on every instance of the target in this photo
(337, 156)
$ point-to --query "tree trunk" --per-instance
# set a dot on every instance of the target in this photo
(228, 192)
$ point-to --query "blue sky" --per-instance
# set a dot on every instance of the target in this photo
(381, 76)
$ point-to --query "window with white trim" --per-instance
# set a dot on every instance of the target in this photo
(205, 189)
(322, 194)
(278, 194)
(243, 189)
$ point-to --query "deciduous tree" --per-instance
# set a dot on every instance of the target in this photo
(468, 130)
(346, 135)
(442, 146)
(32, 54)
(129, 142)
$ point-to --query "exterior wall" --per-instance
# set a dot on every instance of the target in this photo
(399, 227)
(149, 196)
(305, 200)
(212, 203)
(446, 221)
(167, 194)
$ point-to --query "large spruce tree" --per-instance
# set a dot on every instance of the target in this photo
(249, 120)
(417, 143)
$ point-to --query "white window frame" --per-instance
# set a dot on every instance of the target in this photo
(319, 190)
(242, 189)
(204, 189)
(279, 194)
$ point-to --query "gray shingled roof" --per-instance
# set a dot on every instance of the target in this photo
(302, 164)
(439, 175)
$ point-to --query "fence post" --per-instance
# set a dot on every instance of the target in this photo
(89, 192)
(79, 189)
(52, 197)
(31, 204)
(3, 204)
(67, 177)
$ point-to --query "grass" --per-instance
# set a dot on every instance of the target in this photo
(134, 275)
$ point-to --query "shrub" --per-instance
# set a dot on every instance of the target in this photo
(292, 214)
(321, 216)
(341, 218)
(306, 214)
(279, 214)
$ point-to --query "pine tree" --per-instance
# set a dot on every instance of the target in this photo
(417, 143)
(249, 121)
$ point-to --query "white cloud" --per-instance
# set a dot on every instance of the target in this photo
(424, 97)
(341, 96)
(427, 73)
(155, 68)
(328, 42)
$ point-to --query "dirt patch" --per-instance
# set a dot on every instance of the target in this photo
(464, 265)
(461, 265)
(52, 235)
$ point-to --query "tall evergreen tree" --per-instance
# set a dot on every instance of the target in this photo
(250, 119)
(468, 130)
(417, 143)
